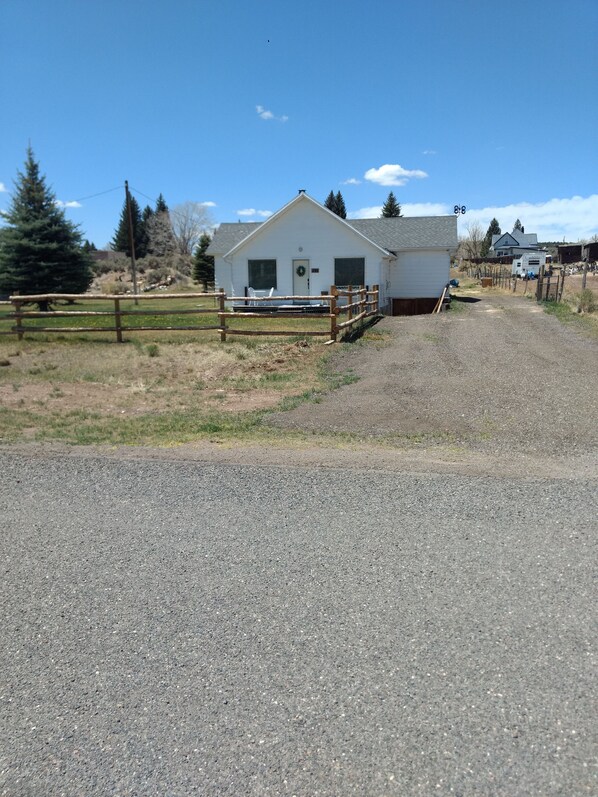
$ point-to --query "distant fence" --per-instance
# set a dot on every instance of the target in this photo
(548, 286)
(357, 304)
(488, 270)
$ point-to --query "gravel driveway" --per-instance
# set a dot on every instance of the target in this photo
(501, 378)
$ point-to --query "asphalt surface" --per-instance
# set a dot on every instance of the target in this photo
(176, 628)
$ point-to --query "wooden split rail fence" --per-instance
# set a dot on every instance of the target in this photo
(355, 303)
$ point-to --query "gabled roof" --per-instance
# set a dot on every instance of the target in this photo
(388, 235)
(522, 238)
(300, 198)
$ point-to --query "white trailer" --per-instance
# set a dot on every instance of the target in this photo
(529, 264)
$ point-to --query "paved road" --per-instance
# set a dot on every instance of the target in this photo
(177, 628)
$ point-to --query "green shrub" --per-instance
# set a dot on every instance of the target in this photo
(586, 301)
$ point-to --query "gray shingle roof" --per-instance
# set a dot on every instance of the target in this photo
(522, 238)
(413, 232)
(230, 234)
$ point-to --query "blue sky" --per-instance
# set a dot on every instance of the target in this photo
(239, 103)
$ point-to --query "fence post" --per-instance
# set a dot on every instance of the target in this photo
(117, 321)
(18, 317)
(350, 302)
(376, 307)
(539, 286)
(221, 318)
(333, 313)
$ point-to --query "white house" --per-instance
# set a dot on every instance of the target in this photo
(304, 248)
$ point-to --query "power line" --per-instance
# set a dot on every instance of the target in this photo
(170, 211)
(100, 193)
(137, 191)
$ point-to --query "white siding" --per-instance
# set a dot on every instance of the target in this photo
(419, 274)
(303, 232)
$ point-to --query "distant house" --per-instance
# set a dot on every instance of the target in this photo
(513, 244)
(304, 248)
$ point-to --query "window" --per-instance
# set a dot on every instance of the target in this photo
(349, 270)
(262, 274)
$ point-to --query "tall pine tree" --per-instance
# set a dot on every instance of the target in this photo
(493, 229)
(341, 210)
(336, 204)
(40, 250)
(161, 206)
(391, 208)
(203, 265)
(158, 226)
(120, 242)
(330, 202)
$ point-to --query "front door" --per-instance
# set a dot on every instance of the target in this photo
(300, 277)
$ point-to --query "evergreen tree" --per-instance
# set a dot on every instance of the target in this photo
(517, 226)
(391, 208)
(146, 214)
(341, 210)
(144, 233)
(203, 265)
(493, 229)
(161, 206)
(120, 242)
(160, 236)
(330, 202)
(88, 246)
(40, 250)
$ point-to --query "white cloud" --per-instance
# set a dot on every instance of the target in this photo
(393, 174)
(3, 188)
(268, 115)
(351, 181)
(366, 213)
(253, 212)
(72, 204)
(426, 209)
(429, 152)
(208, 204)
(572, 218)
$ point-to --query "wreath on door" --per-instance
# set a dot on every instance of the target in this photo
(300, 271)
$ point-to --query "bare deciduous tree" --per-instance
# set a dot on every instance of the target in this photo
(471, 244)
(189, 221)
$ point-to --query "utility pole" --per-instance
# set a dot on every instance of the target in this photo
(131, 241)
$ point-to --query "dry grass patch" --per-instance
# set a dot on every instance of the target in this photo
(60, 389)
